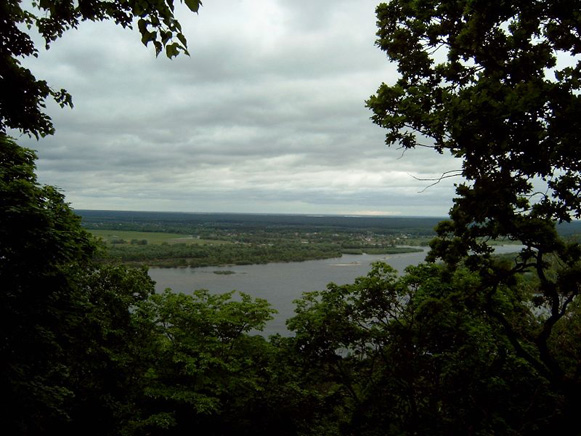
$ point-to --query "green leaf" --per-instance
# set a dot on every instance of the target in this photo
(172, 50)
(194, 5)
(158, 47)
(182, 39)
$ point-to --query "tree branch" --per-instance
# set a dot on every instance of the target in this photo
(445, 175)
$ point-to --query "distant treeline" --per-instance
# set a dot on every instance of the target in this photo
(181, 222)
(185, 222)
(189, 255)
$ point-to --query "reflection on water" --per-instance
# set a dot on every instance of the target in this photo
(279, 283)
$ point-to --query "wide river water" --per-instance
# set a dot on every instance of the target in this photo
(281, 283)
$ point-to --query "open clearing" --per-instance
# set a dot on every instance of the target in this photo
(151, 237)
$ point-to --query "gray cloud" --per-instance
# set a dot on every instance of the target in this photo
(267, 115)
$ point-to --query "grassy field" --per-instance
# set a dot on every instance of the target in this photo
(151, 237)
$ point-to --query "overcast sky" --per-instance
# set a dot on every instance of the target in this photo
(267, 115)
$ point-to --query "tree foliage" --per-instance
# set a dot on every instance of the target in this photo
(23, 96)
(68, 346)
(41, 242)
(497, 84)
(484, 81)
(206, 373)
(475, 345)
(421, 355)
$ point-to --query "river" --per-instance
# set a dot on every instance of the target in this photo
(281, 283)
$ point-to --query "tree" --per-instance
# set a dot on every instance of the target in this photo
(69, 347)
(476, 78)
(497, 84)
(106, 348)
(206, 371)
(419, 355)
(41, 241)
(23, 96)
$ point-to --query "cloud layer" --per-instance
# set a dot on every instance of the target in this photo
(267, 115)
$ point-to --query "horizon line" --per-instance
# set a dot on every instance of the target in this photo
(309, 214)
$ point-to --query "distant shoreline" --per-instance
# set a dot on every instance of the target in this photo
(183, 262)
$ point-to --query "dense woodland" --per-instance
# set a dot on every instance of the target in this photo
(467, 343)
